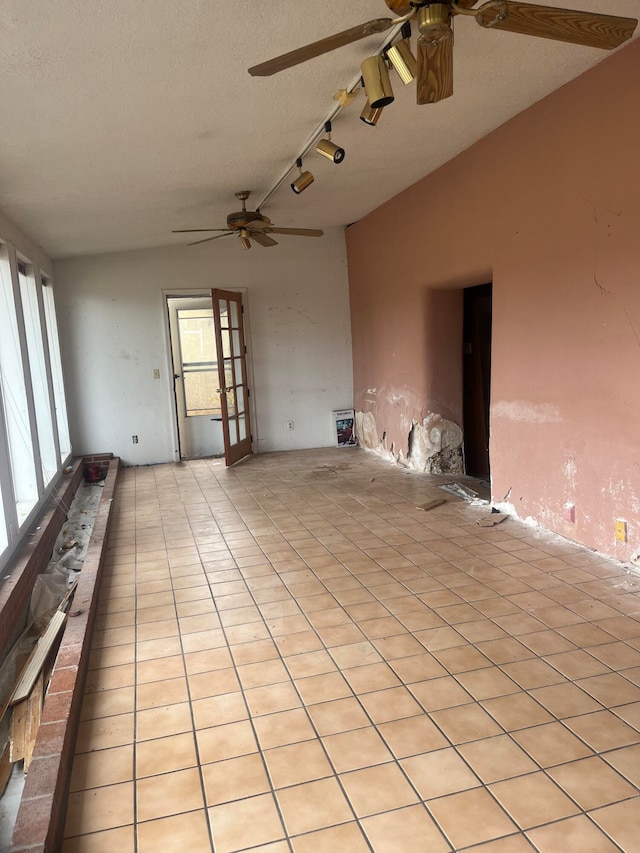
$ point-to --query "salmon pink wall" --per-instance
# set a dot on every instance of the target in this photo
(548, 208)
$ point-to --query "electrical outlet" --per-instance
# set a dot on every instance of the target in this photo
(156, 373)
(134, 439)
(621, 530)
(290, 425)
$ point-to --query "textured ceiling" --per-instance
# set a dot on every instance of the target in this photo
(123, 119)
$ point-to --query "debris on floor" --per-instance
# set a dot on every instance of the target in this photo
(493, 518)
(459, 491)
(68, 554)
(432, 504)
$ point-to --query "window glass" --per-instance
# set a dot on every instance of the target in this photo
(199, 364)
(14, 398)
(56, 369)
(4, 465)
(38, 368)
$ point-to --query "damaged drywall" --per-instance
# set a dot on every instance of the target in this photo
(367, 431)
(434, 446)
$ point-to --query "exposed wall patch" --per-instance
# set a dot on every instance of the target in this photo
(435, 446)
(522, 411)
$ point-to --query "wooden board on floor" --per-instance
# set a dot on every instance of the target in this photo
(38, 657)
(432, 504)
(5, 768)
(18, 731)
(34, 716)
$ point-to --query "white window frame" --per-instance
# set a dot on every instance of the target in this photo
(17, 529)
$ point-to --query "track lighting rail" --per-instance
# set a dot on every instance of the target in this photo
(335, 110)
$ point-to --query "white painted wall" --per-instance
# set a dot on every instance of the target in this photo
(112, 322)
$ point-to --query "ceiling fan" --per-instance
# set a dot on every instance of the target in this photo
(250, 225)
(435, 42)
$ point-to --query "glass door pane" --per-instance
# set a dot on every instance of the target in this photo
(227, 309)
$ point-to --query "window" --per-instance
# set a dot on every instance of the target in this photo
(34, 433)
(199, 361)
(39, 374)
(18, 422)
(56, 369)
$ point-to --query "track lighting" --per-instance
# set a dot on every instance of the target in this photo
(328, 148)
(401, 58)
(303, 180)
(376, 82)
(244, 239)
(369, 115)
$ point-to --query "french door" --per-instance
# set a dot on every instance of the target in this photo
(232, 374)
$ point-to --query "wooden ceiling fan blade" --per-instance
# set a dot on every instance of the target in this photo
(297, 232)
(317, 48)
(435, 71)
(263, 239)
(260, 224)
(189, 230)
(585, 28)
(208, 239)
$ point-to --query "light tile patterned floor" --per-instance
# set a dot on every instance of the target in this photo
(291, 657)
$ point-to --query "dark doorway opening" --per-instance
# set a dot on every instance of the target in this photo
(477, 379)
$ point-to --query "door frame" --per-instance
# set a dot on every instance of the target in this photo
(178, 293)
(476, 380)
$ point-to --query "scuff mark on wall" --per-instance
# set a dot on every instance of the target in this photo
(522, 411)
(633, 328)
(570, 471)
(292, 315)
(596, 219)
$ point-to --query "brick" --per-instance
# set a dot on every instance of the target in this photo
(33, 820)
(45, 788)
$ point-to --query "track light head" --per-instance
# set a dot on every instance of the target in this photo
(303, 180)
(376, 82)
(328, 148)
(244, 239)
(369, 115)
(403, 61)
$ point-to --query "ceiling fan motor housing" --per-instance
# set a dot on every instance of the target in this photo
(434, 22)
(244, 218)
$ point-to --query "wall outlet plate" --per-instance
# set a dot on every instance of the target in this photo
(621, 530)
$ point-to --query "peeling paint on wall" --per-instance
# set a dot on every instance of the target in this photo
(367, 431)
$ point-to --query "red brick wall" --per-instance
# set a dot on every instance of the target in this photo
(40, 821)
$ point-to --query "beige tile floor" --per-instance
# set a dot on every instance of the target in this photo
(290, 656)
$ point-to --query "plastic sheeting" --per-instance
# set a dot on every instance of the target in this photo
(49, 589)
(68, 553)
